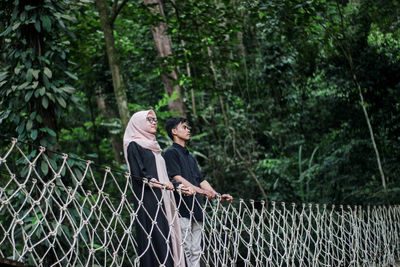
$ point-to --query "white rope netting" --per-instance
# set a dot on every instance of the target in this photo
(57, 211)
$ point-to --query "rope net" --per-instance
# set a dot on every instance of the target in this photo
(57, 211)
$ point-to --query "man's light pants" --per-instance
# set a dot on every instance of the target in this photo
(191, 235)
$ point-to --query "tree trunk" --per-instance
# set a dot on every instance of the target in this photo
(189, 74)
(118, 82)
(164, 48)
(108, 113)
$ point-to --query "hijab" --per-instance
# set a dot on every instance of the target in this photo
(137, 131)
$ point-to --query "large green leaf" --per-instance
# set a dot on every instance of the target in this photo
(47, 72)
(46, 22)
(44, 167)
(45, 102)
(61, 101)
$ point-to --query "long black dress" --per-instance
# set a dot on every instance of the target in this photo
(153, 248)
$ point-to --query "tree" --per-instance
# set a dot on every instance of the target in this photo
(107, 22)
(164, 47)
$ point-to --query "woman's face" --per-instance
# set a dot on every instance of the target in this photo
(151, 121)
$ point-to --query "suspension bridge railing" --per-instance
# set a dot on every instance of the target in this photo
(58, 211)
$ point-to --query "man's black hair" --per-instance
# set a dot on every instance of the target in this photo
(172, 123)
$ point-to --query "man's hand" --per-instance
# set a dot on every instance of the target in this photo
(210, 194)
(226, 197)
(187, 190)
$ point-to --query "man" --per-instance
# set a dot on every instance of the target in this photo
(182, 167)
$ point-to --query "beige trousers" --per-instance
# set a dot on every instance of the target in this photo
(191, 231)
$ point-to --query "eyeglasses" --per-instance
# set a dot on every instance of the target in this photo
(152, 120)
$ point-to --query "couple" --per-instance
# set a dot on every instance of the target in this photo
(159, 230)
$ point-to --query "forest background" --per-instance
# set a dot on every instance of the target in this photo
(294, 101)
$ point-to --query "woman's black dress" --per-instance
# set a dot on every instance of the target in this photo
(153, 248)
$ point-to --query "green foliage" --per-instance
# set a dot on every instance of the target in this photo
(267, 86)
(35, 87)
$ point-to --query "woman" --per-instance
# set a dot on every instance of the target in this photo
(156, 221)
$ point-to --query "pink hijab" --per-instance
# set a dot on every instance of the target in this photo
(137, 130)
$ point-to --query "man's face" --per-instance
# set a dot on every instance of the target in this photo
(182, 131)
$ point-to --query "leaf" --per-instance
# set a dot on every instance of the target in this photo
(28, 95)
(51, 97)
(32, 116)
(45, 102)
(34, 134)
(68, 89)
(78, 174)
(42, 91)
(48, 72)
(276, 183)
(29, 7)
(51, 132)
(29, 125)
(22, 16)
(37, 26)
(28, 75)
(2, 83)
(35, 74)
(61, 101)
(53, 164)
(6, 32)
(17, 70)
(24, 85)
(46, 82)
(46, 22)
(44, 59)
(15, 26)
(71, 75)
(3, 75)
(35, 84)
(67, 17)
(166, 99)
(39, 118)
(21, 128)
(44, 167)
(43, 142)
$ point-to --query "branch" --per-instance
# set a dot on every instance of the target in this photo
(347, 54)
(116, 10)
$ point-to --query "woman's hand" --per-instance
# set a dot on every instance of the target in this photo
(157, 184)
(169, 186)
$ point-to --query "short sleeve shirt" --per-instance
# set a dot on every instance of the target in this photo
(180, 162)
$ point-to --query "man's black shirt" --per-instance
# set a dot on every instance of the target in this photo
(180, 162)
